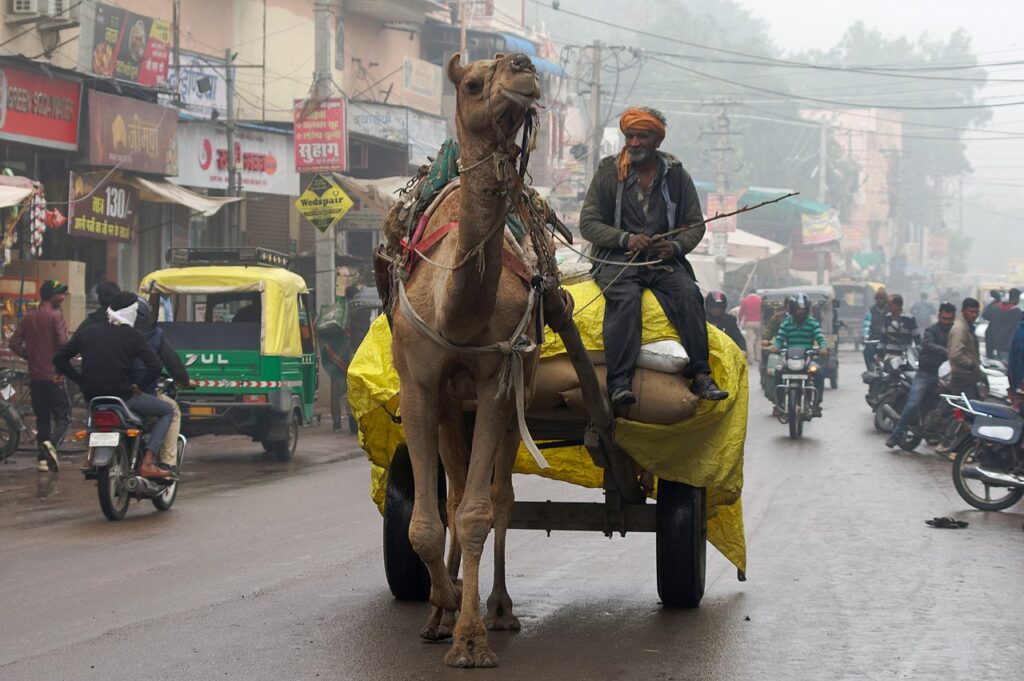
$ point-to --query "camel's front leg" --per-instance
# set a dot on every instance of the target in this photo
(499, 603)
(426, 533)
(473, 520)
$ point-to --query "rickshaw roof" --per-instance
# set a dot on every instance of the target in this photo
(274, 281)
(815, 293)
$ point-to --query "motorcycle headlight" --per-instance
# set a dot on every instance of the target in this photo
(794, 364)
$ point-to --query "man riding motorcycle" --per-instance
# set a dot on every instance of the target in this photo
(898, 331)
(801, 330)
(933, 354)
(716, 304)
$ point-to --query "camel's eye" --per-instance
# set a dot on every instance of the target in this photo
(474, 86)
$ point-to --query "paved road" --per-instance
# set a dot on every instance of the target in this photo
(274, 571)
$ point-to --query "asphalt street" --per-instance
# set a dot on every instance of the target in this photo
(268, 571)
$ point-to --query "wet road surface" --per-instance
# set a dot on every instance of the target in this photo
(273, 571)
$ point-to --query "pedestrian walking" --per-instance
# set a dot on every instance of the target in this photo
(750, 320)
(39, 335)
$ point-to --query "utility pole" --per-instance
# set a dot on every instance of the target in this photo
(722, 150)
(596, 125)
(462, 31)
(325, 241)
(822, 192)
(176, 47)
(232, 238)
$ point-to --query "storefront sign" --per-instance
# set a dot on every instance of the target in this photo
(422, 83)
(132, 134)
(426, 135)
(36, 109)
(320, 136)
(821, 228)
(323, 203)
(261, 159)
(720, 204)
(102, 206)
(127, 46)
(421, 134)
(202, 88)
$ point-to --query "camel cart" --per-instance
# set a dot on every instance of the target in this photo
(697, 461)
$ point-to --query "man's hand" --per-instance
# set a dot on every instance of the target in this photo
(823, 353)
(638, 242)
(136, 390)
(663, 249)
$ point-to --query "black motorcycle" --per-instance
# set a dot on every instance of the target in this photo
(116, 439)
(796, 394)
(891, 375)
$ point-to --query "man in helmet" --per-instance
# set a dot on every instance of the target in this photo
(636, 201)
(801, 330)
(716, 305)
(899, 331)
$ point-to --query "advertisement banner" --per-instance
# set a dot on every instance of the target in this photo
(320, 136)
(128, 46)
(854, 238)
(102, 206)
(202, 88)
(719, 204)
(821, 228)
(422, 83)
(261, 158)
(40, 110)
(132, 134)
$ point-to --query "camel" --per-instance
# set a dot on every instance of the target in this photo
(465, 295)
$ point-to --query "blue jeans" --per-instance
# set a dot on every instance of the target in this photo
(147, 405)
(920, 388)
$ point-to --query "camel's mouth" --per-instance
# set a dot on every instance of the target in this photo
(523, 99)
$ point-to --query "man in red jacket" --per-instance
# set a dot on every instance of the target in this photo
(39, 335)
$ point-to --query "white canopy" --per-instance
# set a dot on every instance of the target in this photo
(163, 191)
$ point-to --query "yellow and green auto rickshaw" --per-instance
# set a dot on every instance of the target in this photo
(242, 325)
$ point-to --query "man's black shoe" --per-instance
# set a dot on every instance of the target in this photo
(891, 441)
(705, 388)
(622, 397)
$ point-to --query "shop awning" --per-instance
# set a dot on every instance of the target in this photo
(163, 191)
(758, 194)
(13, 196)
(515, 43)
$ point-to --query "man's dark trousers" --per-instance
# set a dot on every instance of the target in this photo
(50, 403)
(679, 297)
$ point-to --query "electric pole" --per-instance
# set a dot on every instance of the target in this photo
(176, 55)
(324, 248)
(232, 238)
(463, 20)
(596, 124)
(819, 256)
(722, 149)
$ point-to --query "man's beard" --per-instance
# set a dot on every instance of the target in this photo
(638, 154)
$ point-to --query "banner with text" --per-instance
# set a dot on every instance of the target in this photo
(261, 158)
(125, 45)
(821, 228)
(38, 109)
(132, 134)
(102, 206)
(320, 136)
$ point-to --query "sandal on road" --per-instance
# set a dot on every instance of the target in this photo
(947, 523)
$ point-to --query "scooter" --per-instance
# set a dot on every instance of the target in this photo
(796, 394)
(988, 471)
(116, 442)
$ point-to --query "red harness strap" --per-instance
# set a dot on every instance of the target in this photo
(508, 259)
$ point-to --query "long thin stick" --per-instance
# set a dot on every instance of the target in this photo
(719, 216)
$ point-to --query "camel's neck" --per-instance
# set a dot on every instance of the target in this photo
(471, 293)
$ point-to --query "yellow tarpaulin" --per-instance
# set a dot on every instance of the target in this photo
(279, 328)
(705, 450)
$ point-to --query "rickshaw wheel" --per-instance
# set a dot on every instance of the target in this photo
(406, 574)
(283, 450)
(681, 546)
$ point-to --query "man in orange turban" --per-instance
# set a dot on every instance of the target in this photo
(634, 197)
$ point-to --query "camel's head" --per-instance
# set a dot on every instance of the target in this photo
(493, 92)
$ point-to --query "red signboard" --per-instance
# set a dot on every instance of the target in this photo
(37, 109)
(320, 136)
(719, 204)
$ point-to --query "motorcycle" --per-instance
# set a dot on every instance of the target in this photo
(796, 394)
(894, 373)
(992, 458)
(116, 439)
(11, 423)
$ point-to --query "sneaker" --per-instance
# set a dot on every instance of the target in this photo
(51, 454)
(43, 466)
(622, 397)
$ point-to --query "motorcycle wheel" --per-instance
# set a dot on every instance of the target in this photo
(10, 437)
(114, 498)
(976, 492)
(796, 420)
(166, 499)
(909, 441)
(883, 422)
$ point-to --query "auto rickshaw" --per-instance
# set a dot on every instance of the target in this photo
(241, 324)
(856, 298)
(824, 307)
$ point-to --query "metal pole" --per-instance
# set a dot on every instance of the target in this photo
(462, 31)
(232, 238)
(596, 128)
(324, 246)
(177, 51)
(822, 192)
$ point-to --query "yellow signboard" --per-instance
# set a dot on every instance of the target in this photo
(323, 203)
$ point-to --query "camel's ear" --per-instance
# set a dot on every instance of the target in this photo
(456, 70)
(499, 55)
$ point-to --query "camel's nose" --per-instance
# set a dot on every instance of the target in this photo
(520, 62)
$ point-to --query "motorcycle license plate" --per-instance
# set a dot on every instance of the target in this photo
(104, 439)
(793, 377)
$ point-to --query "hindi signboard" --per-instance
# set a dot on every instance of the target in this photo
(202, 87)
(132, 134)
(323, 203)
(127, 46)
(102, 206)
(422, 83)
(719, 204)
(320, 136)
(261, 157)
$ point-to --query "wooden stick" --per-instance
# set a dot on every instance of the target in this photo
(719, 216)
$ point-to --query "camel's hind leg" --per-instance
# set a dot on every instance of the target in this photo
(499, 603)
(473, 522)
(455, 457)
(426, 533)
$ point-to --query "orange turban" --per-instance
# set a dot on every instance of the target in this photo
(637, 119)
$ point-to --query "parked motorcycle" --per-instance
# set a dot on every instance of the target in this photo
(988, 471)
(11, 423)
(796, 394)
(116, 442)
(892, 375)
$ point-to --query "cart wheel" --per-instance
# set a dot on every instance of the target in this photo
(406, 574)
(681, 523)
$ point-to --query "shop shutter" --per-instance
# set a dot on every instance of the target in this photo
(266, 218)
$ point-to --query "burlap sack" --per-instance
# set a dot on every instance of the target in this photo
(661, 398)
(554, 376)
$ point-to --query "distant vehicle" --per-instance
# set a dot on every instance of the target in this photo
(855, 297)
